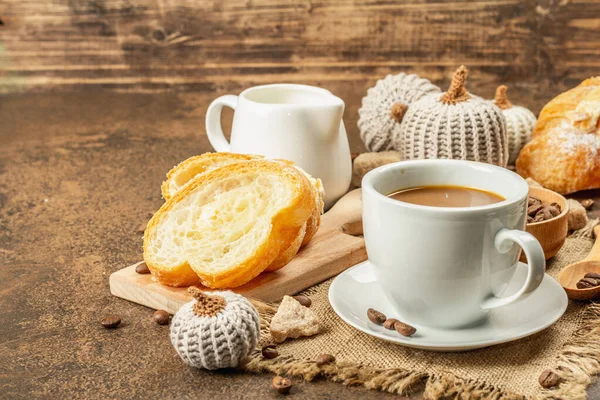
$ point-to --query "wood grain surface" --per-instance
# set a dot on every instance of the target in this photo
(538, 48)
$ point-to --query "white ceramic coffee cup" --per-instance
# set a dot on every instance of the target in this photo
(295, 122)
(448, 267)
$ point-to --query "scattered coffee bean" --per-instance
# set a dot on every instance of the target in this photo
(375, 316)
(533, 209)
(549, 379)
(142, 268)
(587, 204)
(111, 321)
(325, 359)
(593, 275)
(389, 323)
(587, 283)
(304, 300)
(533, 200)
(161, 317)
(269, 351)
(404, 329)
(281, 384)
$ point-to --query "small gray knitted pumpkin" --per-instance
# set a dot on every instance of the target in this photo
(385, 103)
(519, 123)
(455, 125)
(216, 330)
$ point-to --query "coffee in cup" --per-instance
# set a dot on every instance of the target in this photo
(446, 196)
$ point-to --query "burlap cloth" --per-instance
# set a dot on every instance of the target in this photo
(571, 348)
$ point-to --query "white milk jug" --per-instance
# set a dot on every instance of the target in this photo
(299, 123)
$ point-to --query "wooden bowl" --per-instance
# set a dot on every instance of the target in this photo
(551, 233)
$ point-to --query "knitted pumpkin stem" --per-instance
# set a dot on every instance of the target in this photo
(206, 306)
(501, 100)
(456, 92)
(398, 111)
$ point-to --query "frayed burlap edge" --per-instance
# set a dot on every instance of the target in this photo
(579, 360)
(577, 364)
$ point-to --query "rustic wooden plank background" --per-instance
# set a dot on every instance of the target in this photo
(538, 48)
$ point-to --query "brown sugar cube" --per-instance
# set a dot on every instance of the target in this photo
(365, 162)
(577, 215)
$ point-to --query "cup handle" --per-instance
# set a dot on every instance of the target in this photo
(504, 241)
(215, 134)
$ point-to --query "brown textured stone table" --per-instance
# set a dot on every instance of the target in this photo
(78, 174)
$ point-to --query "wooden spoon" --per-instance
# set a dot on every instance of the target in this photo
(571, 274)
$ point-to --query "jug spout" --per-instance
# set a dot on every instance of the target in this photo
(326, 116)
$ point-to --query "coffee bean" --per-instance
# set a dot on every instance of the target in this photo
(304, 300)
(554, 210)
(592, 281)
(593, 275)
(142, 268)
(583, 285)
(587, 204)
(161, 317)
(587, 283)
(375, 316)
(110, 321)
(404, 329)
(533, 209)
(269, 352)
(389, 323)
(543, 215)
(549, 379)
(281, 384)
(529, 219)
(325, 359)
(533, 200)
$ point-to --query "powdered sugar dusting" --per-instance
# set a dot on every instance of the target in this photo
(570, 141)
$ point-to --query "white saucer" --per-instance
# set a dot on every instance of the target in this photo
(355, 290)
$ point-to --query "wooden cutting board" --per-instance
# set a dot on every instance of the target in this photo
(337, 246)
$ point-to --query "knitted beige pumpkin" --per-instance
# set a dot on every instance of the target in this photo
(454, 125)
(519, 123)
(217, 330)
(385, 103)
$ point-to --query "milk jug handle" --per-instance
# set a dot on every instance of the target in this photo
(215, 134)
